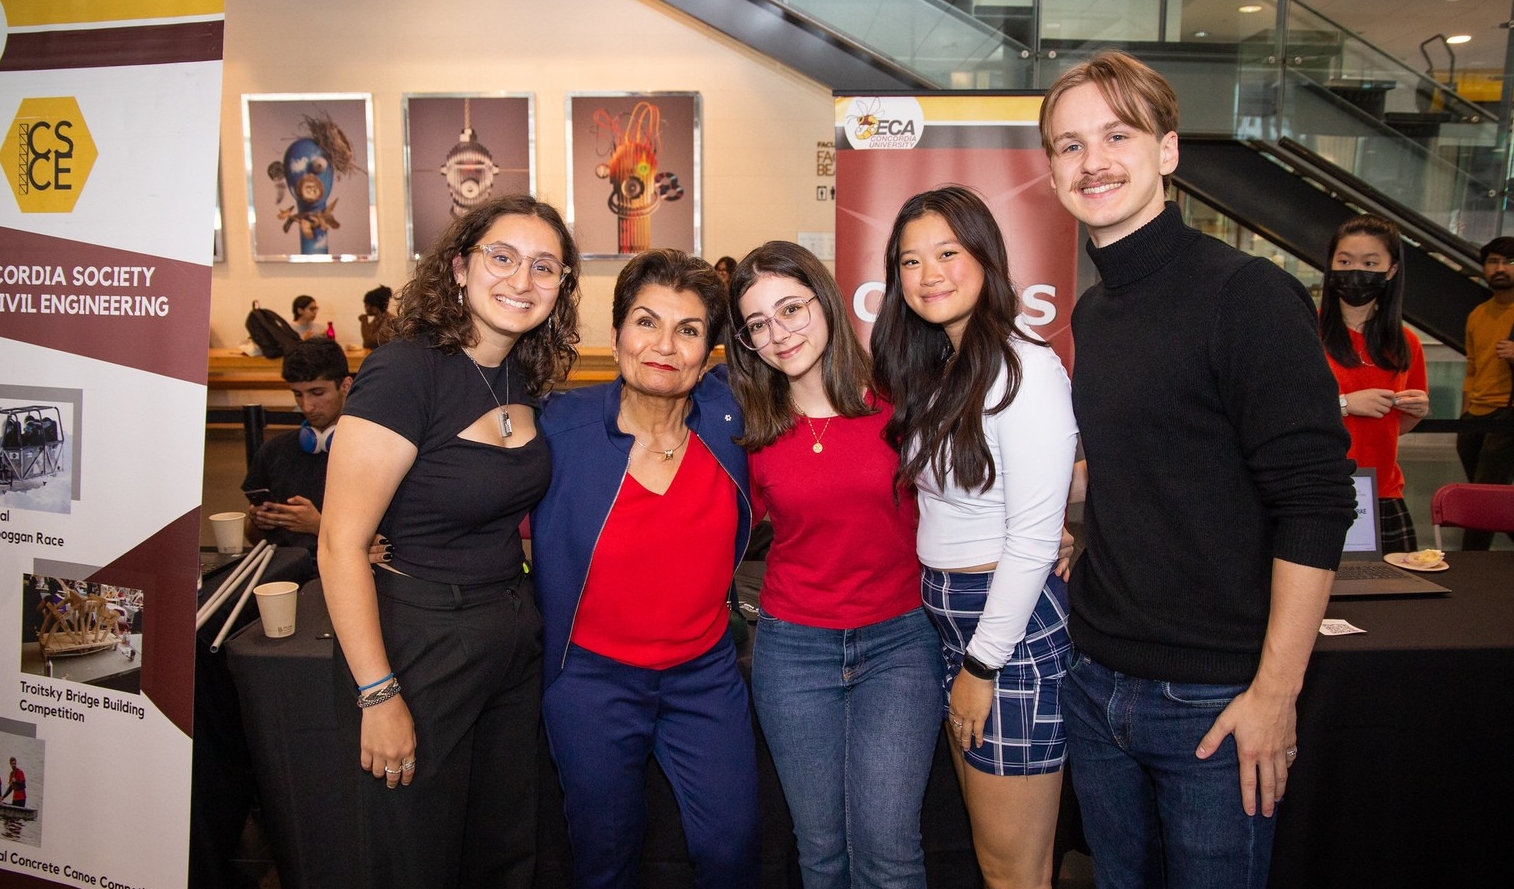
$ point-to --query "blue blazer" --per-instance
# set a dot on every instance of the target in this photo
(590, 456)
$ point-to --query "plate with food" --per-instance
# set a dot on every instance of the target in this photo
(1423, 560)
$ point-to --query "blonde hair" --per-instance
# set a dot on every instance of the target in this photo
(1137, 95)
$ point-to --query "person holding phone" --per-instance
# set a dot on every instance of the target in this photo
(286, 481)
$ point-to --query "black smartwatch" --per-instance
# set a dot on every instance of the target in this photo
(974, 667)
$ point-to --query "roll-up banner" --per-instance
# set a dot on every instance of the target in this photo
(111, 113)
(891, 147)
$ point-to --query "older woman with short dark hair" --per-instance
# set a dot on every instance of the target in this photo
(636, 545)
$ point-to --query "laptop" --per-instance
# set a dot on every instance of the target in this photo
(1363, 571)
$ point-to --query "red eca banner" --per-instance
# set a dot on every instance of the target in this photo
(892, 147)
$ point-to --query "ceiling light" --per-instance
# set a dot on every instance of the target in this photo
(1201, 33)
(1249, 9)
(1459, 38)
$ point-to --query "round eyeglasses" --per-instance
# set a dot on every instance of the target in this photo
(505, 261)
(793, 316)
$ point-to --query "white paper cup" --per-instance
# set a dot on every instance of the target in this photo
(228, 527)
(277, 603)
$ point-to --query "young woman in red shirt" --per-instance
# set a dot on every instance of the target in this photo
(1376, 360)
(846, 668)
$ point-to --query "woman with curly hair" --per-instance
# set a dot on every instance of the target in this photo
(439, 451)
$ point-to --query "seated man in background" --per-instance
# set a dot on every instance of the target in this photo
(292, 466)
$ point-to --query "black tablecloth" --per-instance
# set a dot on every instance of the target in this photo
(1404, 775)
(223, 787)
(1403, 779)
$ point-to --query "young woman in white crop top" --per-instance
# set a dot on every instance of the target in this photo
(984, 424)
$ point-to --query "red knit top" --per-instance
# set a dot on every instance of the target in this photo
(656, 594)
(843, 552)
(1374, 440)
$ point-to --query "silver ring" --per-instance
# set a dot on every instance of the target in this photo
(408, 765)
(1291, 752)
(389, 771)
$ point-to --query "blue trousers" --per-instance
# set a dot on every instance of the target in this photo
(852, 717)
(605, 720)
(1154, 814)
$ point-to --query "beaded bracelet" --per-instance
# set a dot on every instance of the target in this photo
(374, 698)
(377, 682)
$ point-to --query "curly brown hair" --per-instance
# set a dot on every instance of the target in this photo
(429, 312)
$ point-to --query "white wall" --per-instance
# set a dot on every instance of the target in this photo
(761, 121)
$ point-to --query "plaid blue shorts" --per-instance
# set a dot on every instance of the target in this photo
(1023, 735)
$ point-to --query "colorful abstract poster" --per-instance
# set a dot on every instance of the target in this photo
(890, 148)
(111, 113)
(633, 172)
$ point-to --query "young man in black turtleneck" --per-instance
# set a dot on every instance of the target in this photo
(1218, 500)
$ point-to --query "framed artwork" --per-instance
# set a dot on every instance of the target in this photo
(310, 177)
(461, 149)
(633, 172)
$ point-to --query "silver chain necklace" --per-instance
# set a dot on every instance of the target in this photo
(504, 416)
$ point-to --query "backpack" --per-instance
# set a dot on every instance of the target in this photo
(270, 331)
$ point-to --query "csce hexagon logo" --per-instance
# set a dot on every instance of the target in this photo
(48, 153)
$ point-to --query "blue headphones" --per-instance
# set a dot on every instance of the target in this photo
(312, 442)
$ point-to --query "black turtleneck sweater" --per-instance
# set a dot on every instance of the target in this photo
(1212, 428)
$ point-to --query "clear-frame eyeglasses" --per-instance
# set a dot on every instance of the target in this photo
(504, 262)
(793, 316)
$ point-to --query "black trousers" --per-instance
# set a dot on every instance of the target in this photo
(1488, 459)
(469, 663)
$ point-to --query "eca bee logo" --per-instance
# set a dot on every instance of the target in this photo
(48, 153)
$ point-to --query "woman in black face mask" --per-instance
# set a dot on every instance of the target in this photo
(1378, 363)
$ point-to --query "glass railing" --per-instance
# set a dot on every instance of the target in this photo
(1281, 70)
(1444, 366)
(938, 42)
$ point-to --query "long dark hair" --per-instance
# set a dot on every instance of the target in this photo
(940, 397)
(763, 392)
(430, 313)
(1384, 331)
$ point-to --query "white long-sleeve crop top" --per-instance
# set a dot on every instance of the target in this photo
(1018, 521)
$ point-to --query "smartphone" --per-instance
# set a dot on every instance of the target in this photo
(259, 496)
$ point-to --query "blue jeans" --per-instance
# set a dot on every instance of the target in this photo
(1154, 813)
(851, 717)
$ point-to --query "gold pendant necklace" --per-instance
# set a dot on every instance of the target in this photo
(665, 453)
(818, 447)
(504, 415)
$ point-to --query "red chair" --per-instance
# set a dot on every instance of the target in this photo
(1463, 505)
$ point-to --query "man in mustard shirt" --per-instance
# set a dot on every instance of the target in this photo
(1488, 390)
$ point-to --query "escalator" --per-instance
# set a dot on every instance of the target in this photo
(1296, 200)
(1312, 125)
